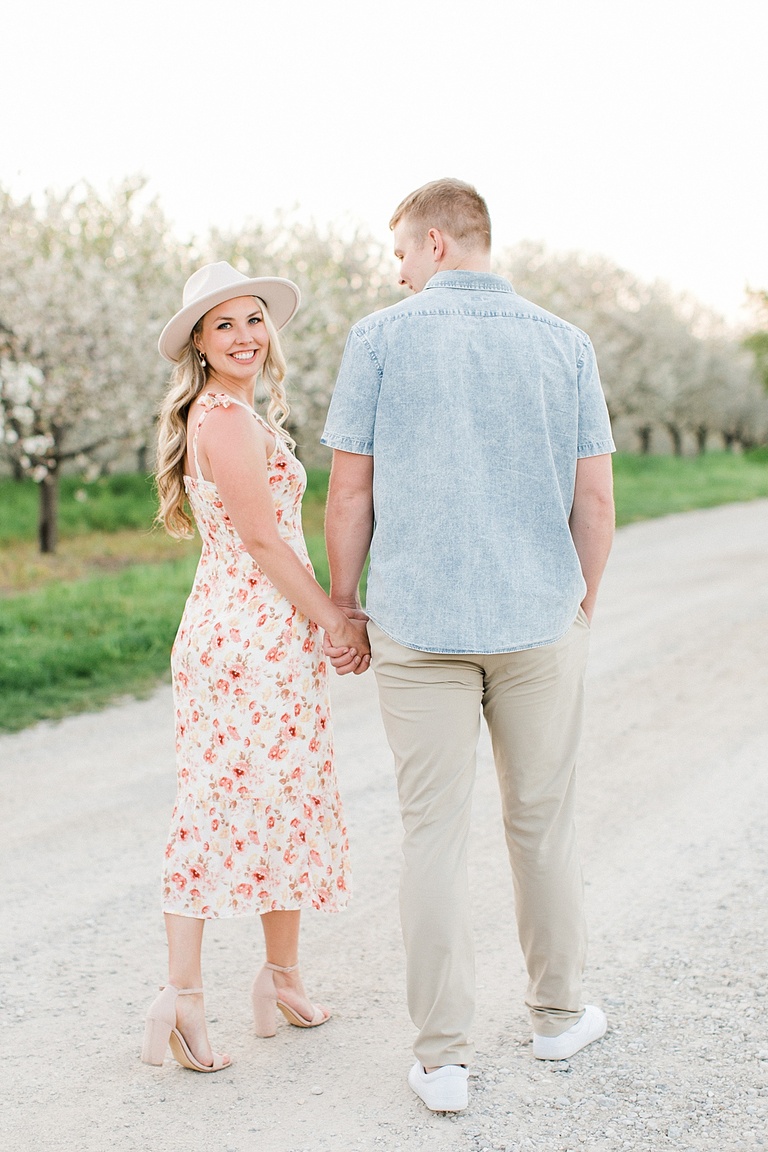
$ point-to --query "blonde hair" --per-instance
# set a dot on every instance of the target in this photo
(450, 205)
(188, 380)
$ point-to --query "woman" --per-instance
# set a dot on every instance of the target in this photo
(257, 827)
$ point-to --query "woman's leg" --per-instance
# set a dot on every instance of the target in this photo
(185, 939)
(281, 936)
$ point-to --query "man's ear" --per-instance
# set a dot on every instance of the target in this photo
(437, 241)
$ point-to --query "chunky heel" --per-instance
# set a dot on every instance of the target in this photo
(157, 1033)
(160, 1032)
(266, 1001)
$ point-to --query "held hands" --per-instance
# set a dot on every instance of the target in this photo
(347, 647)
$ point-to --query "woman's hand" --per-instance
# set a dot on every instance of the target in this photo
(347, 646)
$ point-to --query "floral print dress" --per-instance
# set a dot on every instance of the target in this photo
(258, 824)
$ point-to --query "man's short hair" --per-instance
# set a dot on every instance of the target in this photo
(450, 205)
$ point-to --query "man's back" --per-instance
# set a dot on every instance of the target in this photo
(475, 404)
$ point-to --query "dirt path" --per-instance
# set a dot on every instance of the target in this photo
(674, 830)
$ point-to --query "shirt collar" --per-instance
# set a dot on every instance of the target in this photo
(463, 278)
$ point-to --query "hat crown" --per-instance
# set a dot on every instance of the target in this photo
(211, 278)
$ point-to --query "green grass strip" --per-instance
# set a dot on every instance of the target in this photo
(650, 486)
(73, 647)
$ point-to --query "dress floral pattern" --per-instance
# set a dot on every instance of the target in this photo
(258, 824)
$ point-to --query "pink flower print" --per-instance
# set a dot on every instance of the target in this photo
(236, 670)
(195, 873)
(253, 836)
(225, 783)
(297, 773)
(275, 654)
(277, 752)
(214, 825)
(179, 881)
(279, 515)
(233, 732)
(316, 858)
(314, 744)
(240, 845)
(245, 890)
(210, 756)
(261, 621)
(222, 685)
(240, 768)
(308, 645)
(206, 659)
(184, 833)
(297, 709)
(229, 863)
(256, 718)
(234, 635)
(290, 857)
(232, 570)
(195, 716)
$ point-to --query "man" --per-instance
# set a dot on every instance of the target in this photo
(472, 454)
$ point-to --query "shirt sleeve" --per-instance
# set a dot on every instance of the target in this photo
(352, 414)
(595, 437)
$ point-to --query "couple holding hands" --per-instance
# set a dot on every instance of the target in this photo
(472, 459)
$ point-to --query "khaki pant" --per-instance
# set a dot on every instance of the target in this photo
(533, 704)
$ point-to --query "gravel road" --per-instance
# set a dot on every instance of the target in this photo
(673, 821)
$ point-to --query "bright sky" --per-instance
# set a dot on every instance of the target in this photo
(637, 130)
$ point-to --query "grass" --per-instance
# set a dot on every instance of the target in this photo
(651, 486)
(72, 647)
(97, 620)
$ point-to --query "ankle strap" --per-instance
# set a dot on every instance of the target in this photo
(279, 968)
(182, 991)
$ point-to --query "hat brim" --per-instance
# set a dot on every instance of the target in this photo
(282, 298)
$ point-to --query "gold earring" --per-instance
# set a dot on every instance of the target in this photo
(201, 358)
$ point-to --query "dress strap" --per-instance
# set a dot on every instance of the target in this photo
(211, 400)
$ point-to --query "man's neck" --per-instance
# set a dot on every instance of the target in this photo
(478, 260)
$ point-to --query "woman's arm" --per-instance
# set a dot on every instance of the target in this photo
(233, 450)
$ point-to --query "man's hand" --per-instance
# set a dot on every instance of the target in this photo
(349, 659)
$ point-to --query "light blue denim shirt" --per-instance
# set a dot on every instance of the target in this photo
(475, 405)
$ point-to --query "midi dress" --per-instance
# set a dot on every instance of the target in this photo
(258, 824)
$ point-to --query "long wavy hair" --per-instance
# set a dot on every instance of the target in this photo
(188, 380)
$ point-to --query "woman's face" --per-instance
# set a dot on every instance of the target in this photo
(234, 339)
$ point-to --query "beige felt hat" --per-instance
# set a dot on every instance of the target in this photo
(213, 284)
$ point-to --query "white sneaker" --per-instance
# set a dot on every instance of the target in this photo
(591, 1026)
(444, 1090)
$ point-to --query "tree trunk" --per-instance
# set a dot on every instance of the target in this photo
(48, 523)
(644, 434)
(702, 432)
(142, 456)
(677, 439)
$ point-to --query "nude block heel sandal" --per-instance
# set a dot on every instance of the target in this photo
(161, 1031)
(266, 1002)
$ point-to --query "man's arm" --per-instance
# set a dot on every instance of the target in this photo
(348, 524)
(592, 521)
